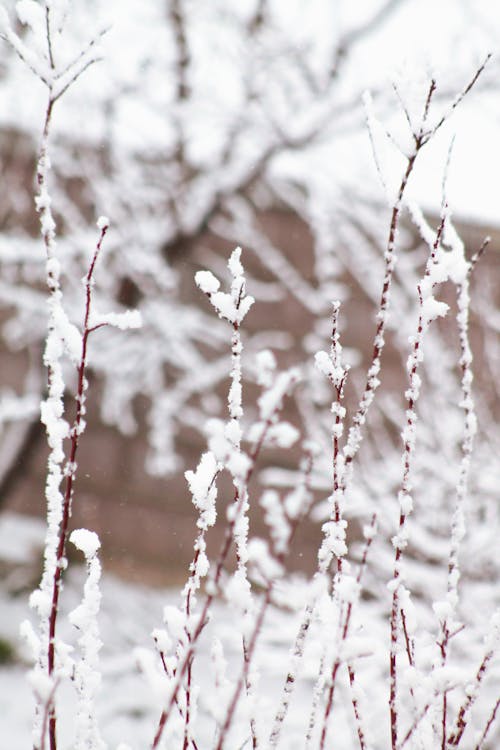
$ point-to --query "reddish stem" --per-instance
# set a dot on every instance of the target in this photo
(355, 706)
(238, 502)
(249, 646)
(68, 492)
(246, 665)
(345, 631)
(461, 723)
(487, 728)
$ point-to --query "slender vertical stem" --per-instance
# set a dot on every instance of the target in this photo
(353, 441)
(75, 433)
(219, 567)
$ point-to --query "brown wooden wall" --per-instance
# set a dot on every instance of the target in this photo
(147, 524)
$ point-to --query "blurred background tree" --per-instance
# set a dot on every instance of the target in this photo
(204, 127)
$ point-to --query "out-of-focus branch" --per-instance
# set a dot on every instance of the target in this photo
(356, 34)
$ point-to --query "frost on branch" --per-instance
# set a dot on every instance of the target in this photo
(130, 319)
(207, 282)
(87, 674)
(204, 191)
(87, 542)
(203, 489)
(232, 306)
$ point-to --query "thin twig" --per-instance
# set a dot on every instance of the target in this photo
(488, 726)
(461, 721)
(462, 94)
(238, 502)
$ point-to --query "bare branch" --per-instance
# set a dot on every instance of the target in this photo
(458, 99)
(84, 52)
(75, 77)
(28, 58)
(488, 726)
(48, 33)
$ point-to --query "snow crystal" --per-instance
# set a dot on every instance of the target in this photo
(234, 263)
(337, 430)
(207, 282)
(201, 481)
(228, 308)
(323, 362)
(437, 272)
(53, 268)
(102, 223)
(124, 321)
(202, 565)
(86, 541)
(57, 428)
(217, 440)
(347, 588)
(162, 639)
(41, 602)
(203, 488)
(405, 503)
(47, 223)
(238, 464)
(234, 398)
(334, 541)
(338, 410)
(43, 201)
(233, 432)
(225, 306)
(454, 260)
(400, 540)
(432, 309)
(68, 333)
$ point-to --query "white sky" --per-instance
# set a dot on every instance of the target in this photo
(447, 38)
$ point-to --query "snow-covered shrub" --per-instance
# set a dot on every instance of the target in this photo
(396, 633)
(428, 661)
(213, 115)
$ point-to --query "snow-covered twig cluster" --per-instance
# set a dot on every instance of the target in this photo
(63, 340)
(334, 612)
